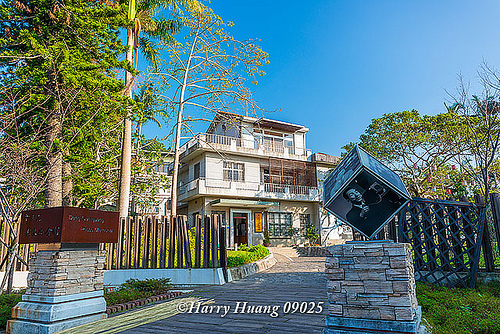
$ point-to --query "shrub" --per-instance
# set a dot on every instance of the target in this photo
(311, 233)
(134, 289)
(153, 285)
(246, 255)
(123, 296)
(7, 302)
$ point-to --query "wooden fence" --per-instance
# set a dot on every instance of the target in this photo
(160, 242)
(446, 239)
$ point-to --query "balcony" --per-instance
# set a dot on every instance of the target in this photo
(239, 145)
(215, 187)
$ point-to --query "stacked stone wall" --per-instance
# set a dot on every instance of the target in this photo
(371, 281)
(57, 273)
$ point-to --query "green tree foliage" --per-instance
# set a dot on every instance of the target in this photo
(147, 27)
(61, 98)
(423, 150)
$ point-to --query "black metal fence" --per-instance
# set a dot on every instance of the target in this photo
(451, 240)
(446, 240)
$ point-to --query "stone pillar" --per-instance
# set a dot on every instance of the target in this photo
(371, 288)
(65, 289)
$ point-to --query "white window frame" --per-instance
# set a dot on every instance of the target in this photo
(233, 171)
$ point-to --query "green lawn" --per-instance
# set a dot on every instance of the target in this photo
(456, 310)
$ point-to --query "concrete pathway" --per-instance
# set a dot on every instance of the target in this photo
(290, 297)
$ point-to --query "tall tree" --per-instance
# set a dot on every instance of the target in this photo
(57, 76)
(150, 156)
(481, 113)
(60, 57)
(421, 148)
(143, 17)
(208, 73)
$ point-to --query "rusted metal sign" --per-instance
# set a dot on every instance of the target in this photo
(68, 225)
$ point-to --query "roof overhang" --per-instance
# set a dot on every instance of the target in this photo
(242, 203)
(270, 124)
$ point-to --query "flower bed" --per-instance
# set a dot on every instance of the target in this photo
(137, 292)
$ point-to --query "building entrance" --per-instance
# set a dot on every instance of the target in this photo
(240, 223)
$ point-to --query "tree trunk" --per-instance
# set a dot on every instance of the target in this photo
(125, 172)
(67, 185)
(175, 175)
(53, 188)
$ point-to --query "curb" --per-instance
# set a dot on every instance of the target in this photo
(141, 302)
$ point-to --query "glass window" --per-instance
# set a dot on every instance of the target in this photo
(233, 171)
(305, 220)
(289, 146)
(197, 171)
(279, 224)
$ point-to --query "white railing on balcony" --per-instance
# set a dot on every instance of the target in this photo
(291, 189)
(278, 148)
(211, 138)
(191, 185)
(233, 188)
(249, 146)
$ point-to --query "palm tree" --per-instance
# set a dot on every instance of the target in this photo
(142, 14)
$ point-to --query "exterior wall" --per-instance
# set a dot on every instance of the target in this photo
(296, 208)
(202, 205)
(247, 138)
(300, 143)
(211, 152)
(215, 163)
(196, 206)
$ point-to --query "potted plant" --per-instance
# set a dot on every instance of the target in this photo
(311, 234)
(267, 237)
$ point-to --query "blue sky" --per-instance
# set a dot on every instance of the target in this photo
(337, 64)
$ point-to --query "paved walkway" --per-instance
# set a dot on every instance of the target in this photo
(290, 297)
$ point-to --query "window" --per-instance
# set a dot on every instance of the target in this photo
(305, 220)
(289, 146)
(196, 171)
(233, 171)
(279, 224)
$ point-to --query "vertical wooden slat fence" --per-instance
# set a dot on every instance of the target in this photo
(171, 242)
(215, 240)
(197, 241)
(159, 242)
(206, 242)
(23, 250)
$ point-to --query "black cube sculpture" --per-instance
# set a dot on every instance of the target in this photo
(364, 193)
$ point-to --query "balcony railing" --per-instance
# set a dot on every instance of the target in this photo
(222, 140)
(248, 189)
(291, 189)
(191, 185)
(210, 140)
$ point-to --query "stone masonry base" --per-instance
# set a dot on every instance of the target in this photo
(65, 289)
(371, 288)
